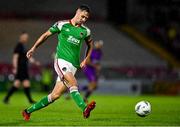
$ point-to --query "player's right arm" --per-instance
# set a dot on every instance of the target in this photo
(15, 62)
(40, 40)
(54, 29)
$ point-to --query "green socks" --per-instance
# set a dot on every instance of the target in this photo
(47, 100)
(41, 104)
(77, 98)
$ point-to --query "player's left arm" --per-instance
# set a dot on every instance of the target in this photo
(89, 43)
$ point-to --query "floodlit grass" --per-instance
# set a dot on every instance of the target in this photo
(111, 110)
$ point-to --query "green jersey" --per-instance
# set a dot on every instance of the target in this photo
(70, 39)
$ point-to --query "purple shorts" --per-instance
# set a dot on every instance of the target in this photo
(90, 73)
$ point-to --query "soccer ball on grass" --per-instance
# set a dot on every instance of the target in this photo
(143, 108)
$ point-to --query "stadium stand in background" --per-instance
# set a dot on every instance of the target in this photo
(133, 63)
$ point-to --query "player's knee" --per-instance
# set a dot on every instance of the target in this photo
(93, 85)
(73, 83)
(70, 79)
(26, 83)
(17, 83)
(55, 96)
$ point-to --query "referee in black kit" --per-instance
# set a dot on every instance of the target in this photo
(20, 69)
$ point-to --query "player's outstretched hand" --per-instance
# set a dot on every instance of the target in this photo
(30, 53)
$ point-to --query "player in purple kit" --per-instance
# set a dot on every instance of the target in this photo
(92, 69)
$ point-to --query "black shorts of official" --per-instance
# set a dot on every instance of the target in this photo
(22, 76)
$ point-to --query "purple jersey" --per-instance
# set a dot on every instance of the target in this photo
(89, 70)
(96, 56)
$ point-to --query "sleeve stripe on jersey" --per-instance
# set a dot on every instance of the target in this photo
(88, 31)
(61, 23)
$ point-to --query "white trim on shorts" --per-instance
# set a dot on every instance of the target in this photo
(62, 66)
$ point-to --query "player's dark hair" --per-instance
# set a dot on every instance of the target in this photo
(84, 7)
(23, 32)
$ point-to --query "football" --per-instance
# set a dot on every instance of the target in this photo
(143, 108)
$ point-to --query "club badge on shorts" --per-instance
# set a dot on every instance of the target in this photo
(64, 69)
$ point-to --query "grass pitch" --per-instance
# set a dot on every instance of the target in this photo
(111, 110)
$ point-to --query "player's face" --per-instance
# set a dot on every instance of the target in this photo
(82, 16)
(98, 44)
(24, 38)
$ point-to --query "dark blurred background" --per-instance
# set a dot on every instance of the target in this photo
(141, 42)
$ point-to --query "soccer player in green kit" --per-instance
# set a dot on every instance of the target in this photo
(71, 34)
